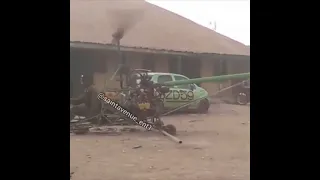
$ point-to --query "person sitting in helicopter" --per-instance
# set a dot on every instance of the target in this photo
(87, 104)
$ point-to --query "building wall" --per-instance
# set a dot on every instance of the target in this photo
(134, 60)
(234, 65)
(240, 65)
(207, 71)
(161, 64)
(100, 79)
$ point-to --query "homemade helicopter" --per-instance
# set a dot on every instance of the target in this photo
(137, 94)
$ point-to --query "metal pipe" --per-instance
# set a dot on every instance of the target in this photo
(175, 139)
(121, 63)
(210, 79)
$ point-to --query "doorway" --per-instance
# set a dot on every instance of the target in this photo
(80, 63)
(191, 67)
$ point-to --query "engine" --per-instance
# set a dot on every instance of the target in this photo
(145, 98)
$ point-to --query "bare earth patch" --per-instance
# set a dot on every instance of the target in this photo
(216, 146)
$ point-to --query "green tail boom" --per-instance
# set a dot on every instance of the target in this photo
(210, 79)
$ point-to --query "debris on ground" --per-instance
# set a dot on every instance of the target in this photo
(136, 147)
(196, 120)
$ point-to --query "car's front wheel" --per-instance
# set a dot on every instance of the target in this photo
(203, 107)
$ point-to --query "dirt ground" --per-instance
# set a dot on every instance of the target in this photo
(216, 146)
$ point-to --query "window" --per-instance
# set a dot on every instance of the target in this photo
(99, 58)
(120, 59)
(183, 86)
(124, 57)
(223, 67)
(173, 65)
(101, 65)
(164, 78)
(219, 67)
(148, 63)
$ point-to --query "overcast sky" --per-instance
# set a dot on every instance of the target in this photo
(232, 17)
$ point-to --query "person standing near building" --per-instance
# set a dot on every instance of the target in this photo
(87, 104)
